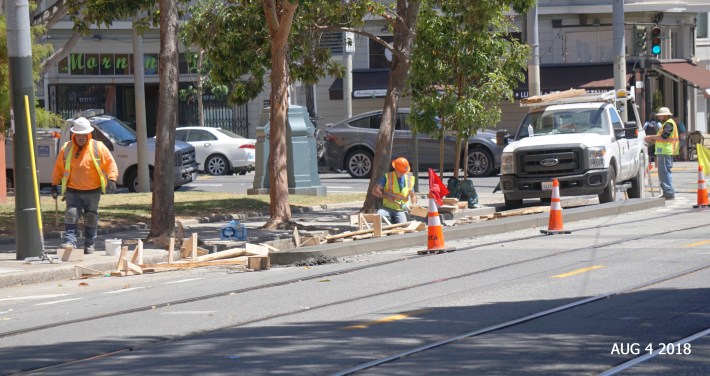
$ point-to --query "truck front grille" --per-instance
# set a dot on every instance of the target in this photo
(561, 161)
(185, 157)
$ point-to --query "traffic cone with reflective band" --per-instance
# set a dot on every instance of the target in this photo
(555, 224)
(702, 190)
(435, 232)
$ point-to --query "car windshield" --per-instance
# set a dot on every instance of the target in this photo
(228, 133)
(119, 132)
(586, 120)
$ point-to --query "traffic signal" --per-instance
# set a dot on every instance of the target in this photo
(639, 40)
(656, 40)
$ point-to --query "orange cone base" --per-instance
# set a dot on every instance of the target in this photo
(701, 206)
(442, 250)
(554, 232)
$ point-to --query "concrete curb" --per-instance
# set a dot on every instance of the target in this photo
(65, 270)
(461, 232)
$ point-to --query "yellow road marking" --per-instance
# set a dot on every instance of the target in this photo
(702, 242)
(397, 317)
(578, 271)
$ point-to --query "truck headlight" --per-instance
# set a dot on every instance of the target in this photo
(507, 164)
(596, 157)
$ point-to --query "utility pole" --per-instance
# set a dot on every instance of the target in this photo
(620, 54)
(28, 241)
(348, 51)
(534, 61)
(141, 131)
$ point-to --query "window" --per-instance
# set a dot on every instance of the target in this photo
(199, 135)
(379, 56)
(702, 25)
(616, 120)
(181, 135)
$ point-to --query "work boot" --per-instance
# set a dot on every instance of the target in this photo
(69, 236)
(88, 249)
(89, 237)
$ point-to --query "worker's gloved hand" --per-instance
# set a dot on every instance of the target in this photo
(55, 192)
(111, 188)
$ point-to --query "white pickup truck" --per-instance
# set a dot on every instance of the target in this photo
(120, 140)
(580, 140)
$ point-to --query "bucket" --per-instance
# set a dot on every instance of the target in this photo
(113, 247)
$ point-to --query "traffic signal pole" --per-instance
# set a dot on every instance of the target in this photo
(620, 54)
(28, 240)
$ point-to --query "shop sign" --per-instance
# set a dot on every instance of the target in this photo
(106, 64)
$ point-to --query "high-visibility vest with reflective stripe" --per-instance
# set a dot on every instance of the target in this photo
(93, 152)
(391, 186)
(668, 146)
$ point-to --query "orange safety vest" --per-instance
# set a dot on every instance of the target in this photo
(93, 152)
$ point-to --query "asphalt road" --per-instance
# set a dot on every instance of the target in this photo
(501, 304)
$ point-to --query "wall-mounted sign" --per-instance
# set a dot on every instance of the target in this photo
(111, 64)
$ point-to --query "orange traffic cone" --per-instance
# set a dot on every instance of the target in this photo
(702, 190)
(555, 224)
(435, 238)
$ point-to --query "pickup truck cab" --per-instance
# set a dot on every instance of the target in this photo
(120, 139)
(580, 140)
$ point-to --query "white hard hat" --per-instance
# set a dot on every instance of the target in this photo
(82, 126)
(664, 111)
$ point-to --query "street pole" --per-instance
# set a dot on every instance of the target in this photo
(28, 241)
(141, 130)
(534, 61)
(620, 54)
(348, 50)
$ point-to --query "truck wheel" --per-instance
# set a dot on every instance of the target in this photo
(359, 164)
(638, 183)
(480, 162)
(609, 194)
(132, 181)
(512, 203)
(216, 165)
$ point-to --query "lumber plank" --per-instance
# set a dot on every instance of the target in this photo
(227, 253)
(256, 249)
(270, 247)
(138, 253)
(195, 264)
(296, 237)
(193, 240)
(121, 257)
(171, 250)
(361, 232)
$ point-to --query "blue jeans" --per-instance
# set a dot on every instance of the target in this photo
(392, 215)
(665, 164)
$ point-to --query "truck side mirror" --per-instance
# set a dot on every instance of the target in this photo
(631, 131)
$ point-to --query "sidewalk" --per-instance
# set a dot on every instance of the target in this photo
(334, 217)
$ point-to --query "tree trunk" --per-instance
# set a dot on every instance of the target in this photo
(163, 209)
(279, 22)
(401, 61)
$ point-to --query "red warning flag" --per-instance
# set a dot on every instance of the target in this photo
(437, 189)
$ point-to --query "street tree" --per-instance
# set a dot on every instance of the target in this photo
(247, 41)
(145, 14)
(465, 62)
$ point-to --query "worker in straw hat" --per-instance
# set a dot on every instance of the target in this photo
(667, 146)
(85, 169)
(395, 189)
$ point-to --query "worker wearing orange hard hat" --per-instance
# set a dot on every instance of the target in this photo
(395, 189)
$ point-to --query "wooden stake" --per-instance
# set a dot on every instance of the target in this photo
(138, 253)
(296, 237)
(194, 246)
(121, 257)
(171, 249)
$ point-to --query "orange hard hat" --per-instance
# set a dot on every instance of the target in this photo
(401, 165)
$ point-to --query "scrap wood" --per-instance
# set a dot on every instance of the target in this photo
(271, 248)
(412, 224)
(523, 211)
(138, 253)
(227, 253)
(193, 264)
(124, 251)
(556, 95)
(296, 237)
(257, 263)
(92, 272)
(450, 201)
(311, 240)
(129, 267)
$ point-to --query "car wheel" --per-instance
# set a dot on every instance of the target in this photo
(132, 181)
(609, 194)
(511, 203)
(480, 162)
(242, 172)
(216, 165)
(359, 164)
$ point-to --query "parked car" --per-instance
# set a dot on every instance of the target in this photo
(219, 151)
(350, 146)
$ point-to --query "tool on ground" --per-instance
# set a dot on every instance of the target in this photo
(52, 259)
(703, 201)
(56, 210)
(647, 172)
(435, 232)
(555, 224)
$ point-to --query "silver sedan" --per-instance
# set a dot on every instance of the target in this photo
(219, 151)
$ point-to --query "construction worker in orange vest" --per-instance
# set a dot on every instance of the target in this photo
(86, 169)
(395, 189)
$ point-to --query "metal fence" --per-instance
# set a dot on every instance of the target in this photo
(218, 114)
